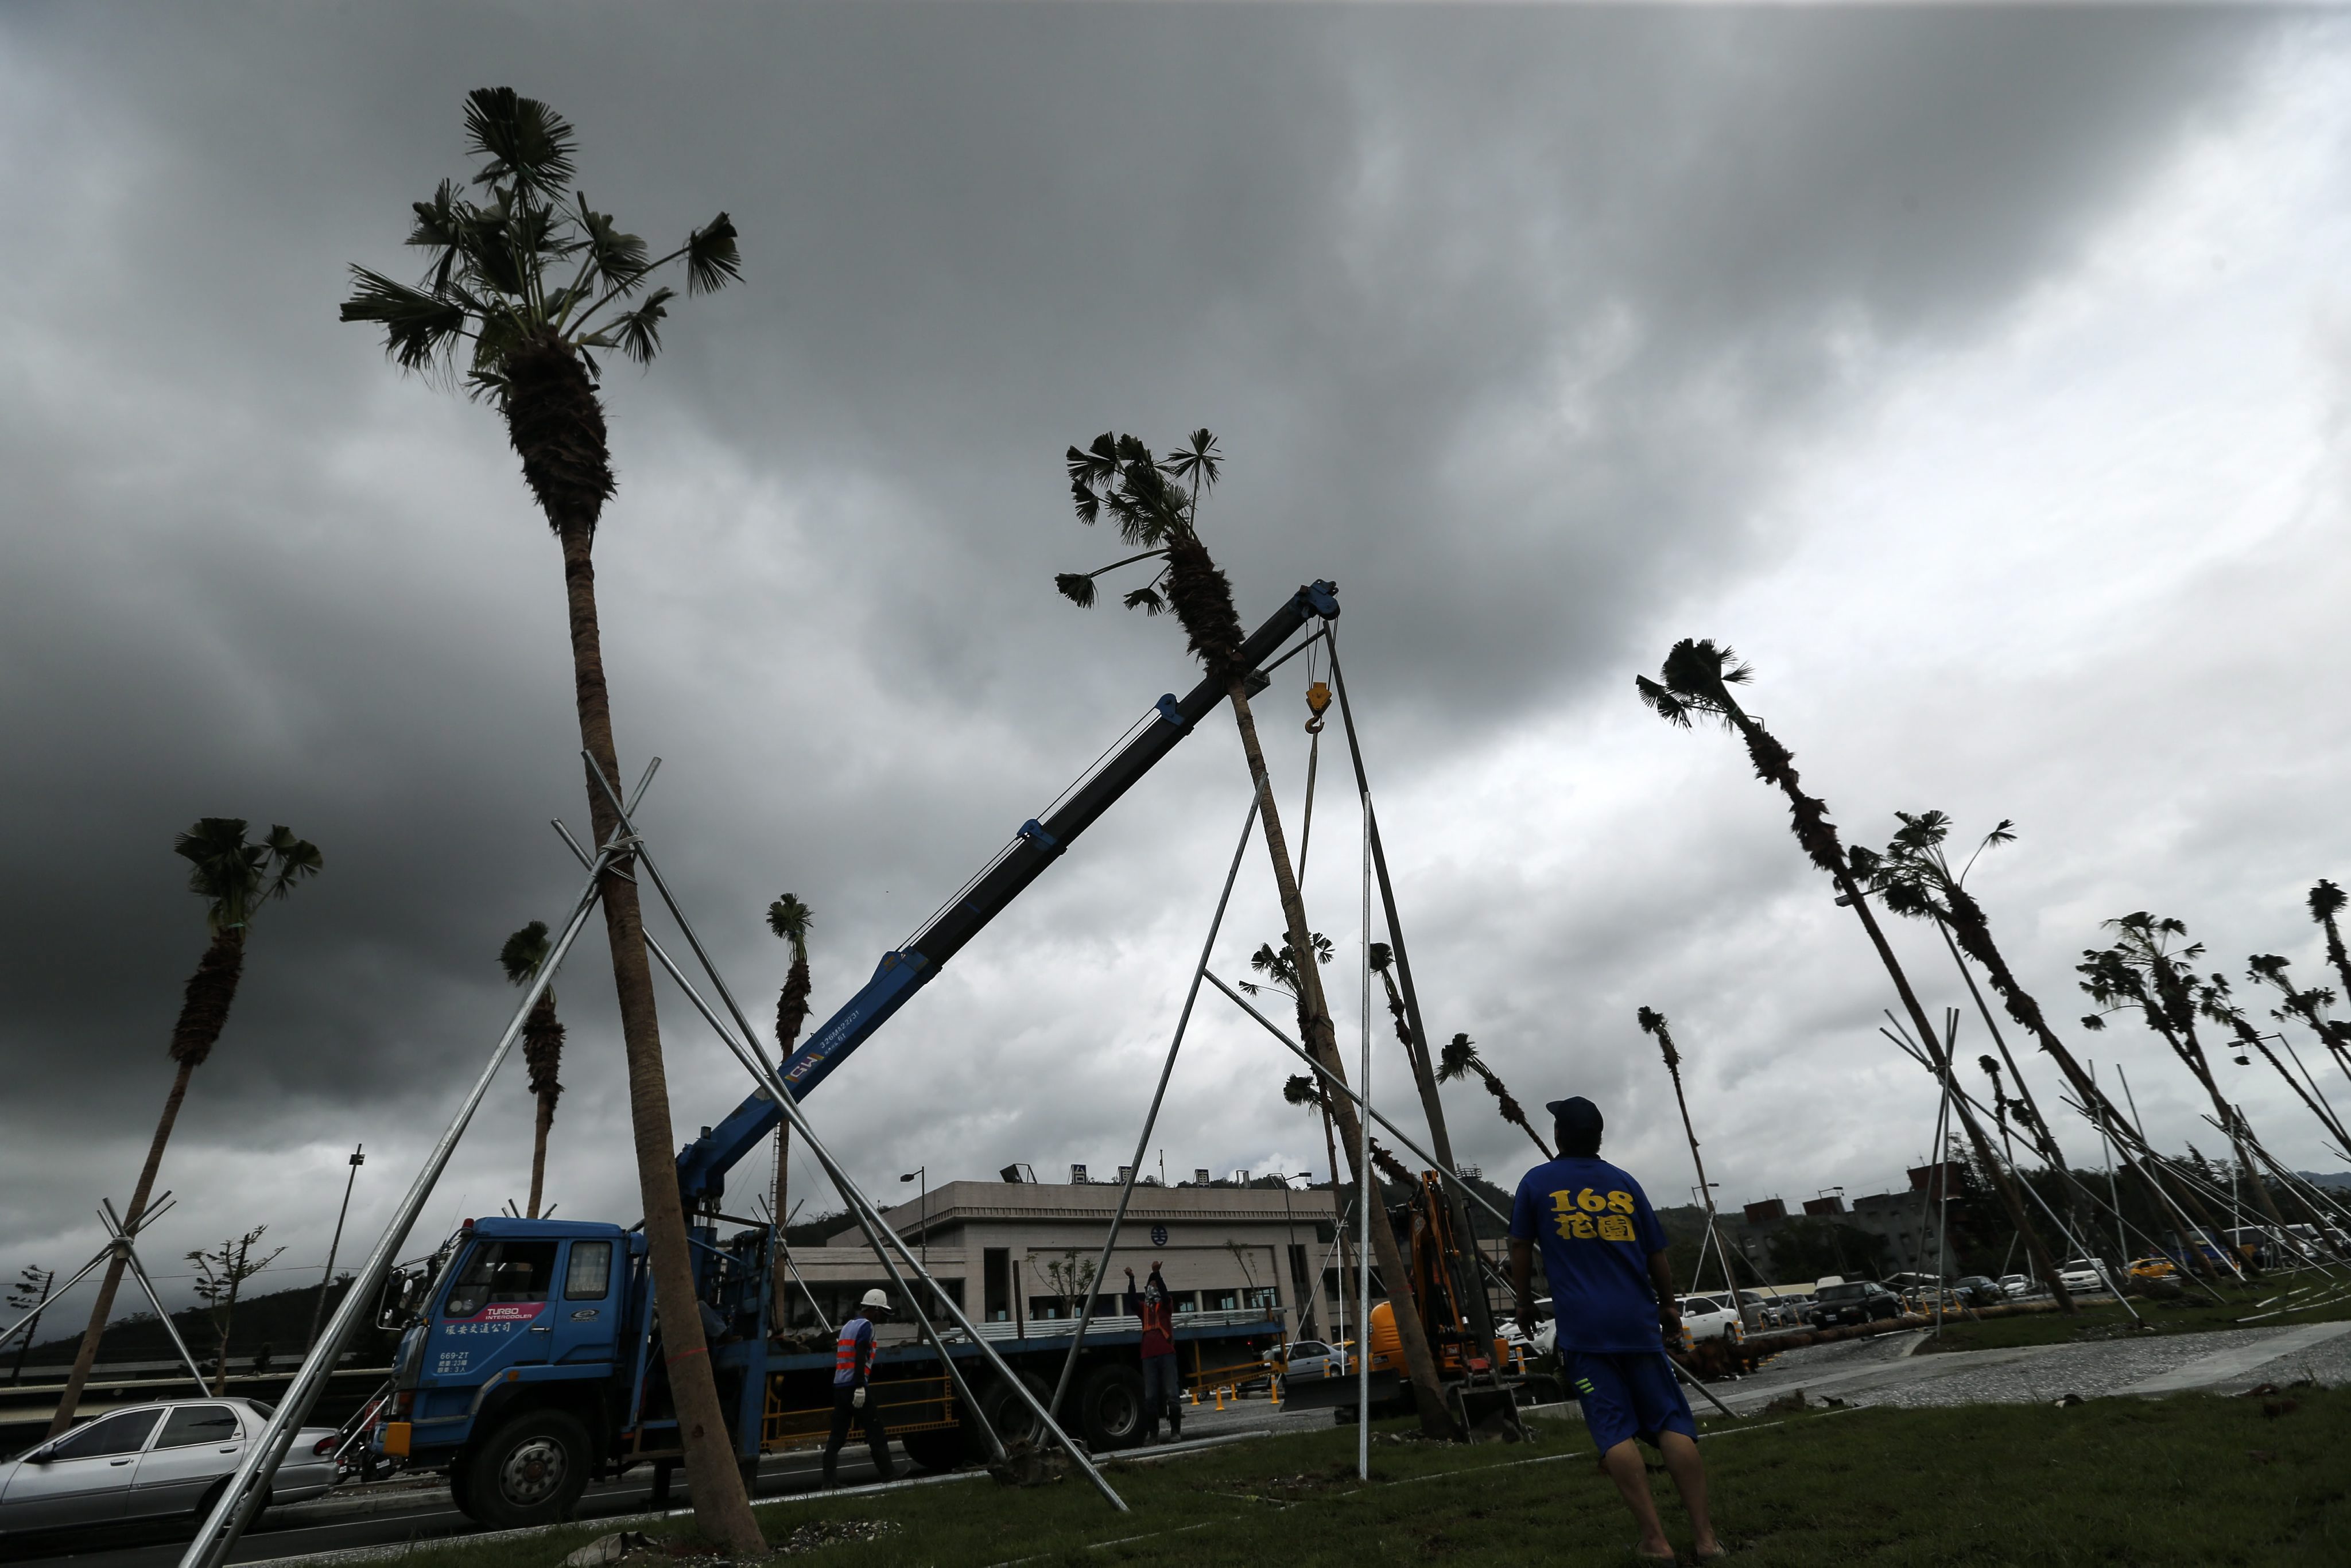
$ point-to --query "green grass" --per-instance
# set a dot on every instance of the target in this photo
(2195, 1312)
(2194, 1480)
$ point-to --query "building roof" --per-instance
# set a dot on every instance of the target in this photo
(969, 1202)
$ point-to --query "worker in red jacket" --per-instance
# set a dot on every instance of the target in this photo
(1159, 1381)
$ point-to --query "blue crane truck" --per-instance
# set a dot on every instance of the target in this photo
(529, 1357)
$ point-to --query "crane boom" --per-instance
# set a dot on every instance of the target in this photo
(702, 1164)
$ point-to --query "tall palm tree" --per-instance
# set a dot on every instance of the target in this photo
(1459, 1058)
(1653, 1023)
(1695, 682)
(789, 918)
(2144, 972)
(2326, 902)
(2214, 1001)
(530, 285)
(522, 957)
(1157, 507)
(235, 879)
(1280, 968)
(1915, 877)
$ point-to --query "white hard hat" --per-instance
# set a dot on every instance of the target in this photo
(876, 1298)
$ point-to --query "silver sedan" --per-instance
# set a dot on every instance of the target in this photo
(153, 1461)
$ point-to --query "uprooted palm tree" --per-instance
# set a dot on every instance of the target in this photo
(235, 879)
(1156, 505)
(525, 287)
(1695, 682)
(522, 957)
(1915, 879)
(789, 918)
(1458, 1059)
(2146, 972)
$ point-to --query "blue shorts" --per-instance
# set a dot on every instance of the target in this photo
(1631, 1394)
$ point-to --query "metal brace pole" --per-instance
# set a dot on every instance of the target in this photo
(1151, 1117)
(139, 1272)
(241, 1498)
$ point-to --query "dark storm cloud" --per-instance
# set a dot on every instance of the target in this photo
(1508, 319)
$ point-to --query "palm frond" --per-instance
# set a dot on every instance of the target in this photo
(1381, 957)
(529, 145)
(2326, 900)
(292, 860)
(1145, 600)
(637, 333)
(790, 919)
(524, 952)
(419, 328)
(1456, 1059)
(1198, 463)
(1077, 587)
(712, 259)
(1663, 703)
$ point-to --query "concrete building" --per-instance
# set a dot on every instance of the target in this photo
(1023, 1251)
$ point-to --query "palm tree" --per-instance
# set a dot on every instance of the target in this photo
(235, 879)
(1459, 1058)
(1916, 878)
(2144, 971)
(2326, 902)
(1280, 969)
(522, 957)
(1156, 506)
(789, 918)
(1696, 682)
(2309, 1006)
(1653, 1023)
(2214, 1001)
(531, 285)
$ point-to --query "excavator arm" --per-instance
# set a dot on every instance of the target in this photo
(702, 1164)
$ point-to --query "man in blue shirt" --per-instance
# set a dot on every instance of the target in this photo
(1613, 1297)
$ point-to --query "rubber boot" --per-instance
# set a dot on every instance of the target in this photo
(831, 1457)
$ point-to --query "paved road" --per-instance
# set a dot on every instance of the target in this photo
(1885, 1371)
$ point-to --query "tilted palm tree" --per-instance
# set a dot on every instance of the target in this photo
(1915, 879)
(2309, 1006)
(1695, 682)
(789, 918)
(2326, 902)
(2144, 972)
(1458, 1059)
(527, 285)
(235, 879)
(1280, 968)
(1156, 505)
(2215, 1002)
(522, 957)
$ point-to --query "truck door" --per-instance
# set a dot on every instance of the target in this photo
(496, 1313)
(587, 1319)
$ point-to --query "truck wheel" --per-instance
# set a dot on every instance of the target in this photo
(531, 1471)
(1013, 1420)
(1109, 1407)
(938, 1451)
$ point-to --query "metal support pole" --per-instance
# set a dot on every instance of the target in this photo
(241, 1498)
(138, 1272)
(764, 1072)
(84, 1272)
(1151, 1116)
(1370, 1178)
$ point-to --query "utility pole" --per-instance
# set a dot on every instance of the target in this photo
(319, 1310)
(923, 1173)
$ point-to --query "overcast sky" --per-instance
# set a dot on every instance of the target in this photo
(1979, 375)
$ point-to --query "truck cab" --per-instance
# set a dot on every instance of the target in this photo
(520, 1359)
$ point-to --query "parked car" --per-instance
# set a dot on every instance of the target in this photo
(2153, 1269)
(153, 1461)
(1786, 1312)
(1855, 1302)
(2015, 1285)
(2081, 1275)
(1711, 1317)
(1979, 1290)
(1310, 1358)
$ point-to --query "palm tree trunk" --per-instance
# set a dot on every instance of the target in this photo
(1322, 1039)
(204, 1009)
(1812, 831)
(720, 1507)
(1440, 1144)
(545, 1120)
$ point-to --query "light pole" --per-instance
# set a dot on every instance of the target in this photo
(357, 1160)
(1837, 1242)
(923, 1173)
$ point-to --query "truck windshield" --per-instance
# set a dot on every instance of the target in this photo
(497, 1273)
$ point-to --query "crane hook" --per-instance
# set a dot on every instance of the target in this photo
(1318, 697)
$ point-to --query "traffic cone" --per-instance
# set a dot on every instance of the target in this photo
(1220, 1397)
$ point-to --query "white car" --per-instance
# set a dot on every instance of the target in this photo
(2015, 1285)
(2083, 1274)
(1711, 1317)
(153, 1461)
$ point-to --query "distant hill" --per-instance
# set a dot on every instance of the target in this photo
(280, 1320)
(2339, 1178)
